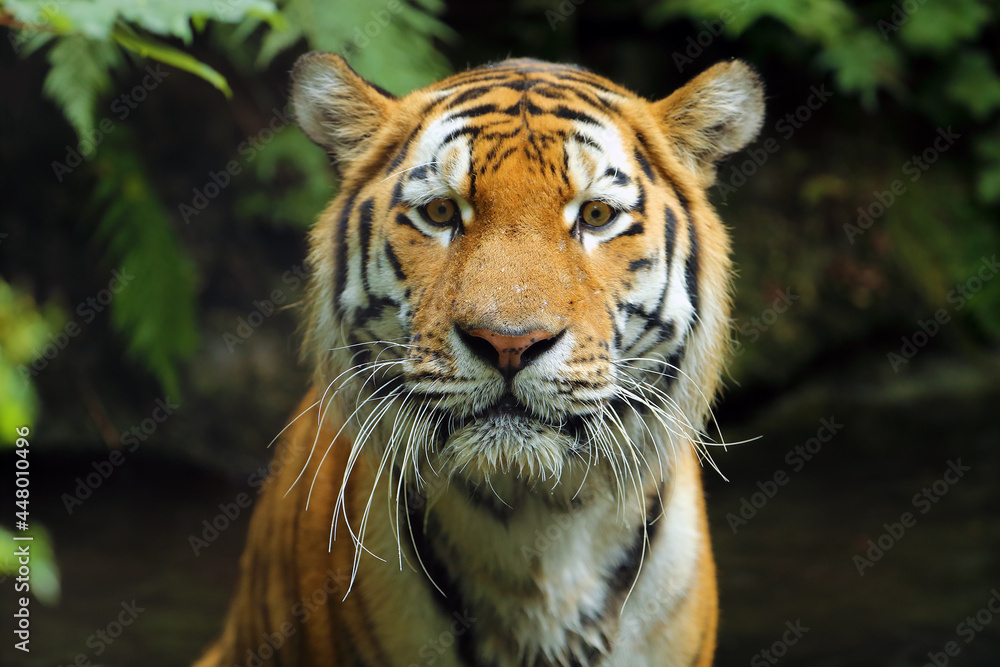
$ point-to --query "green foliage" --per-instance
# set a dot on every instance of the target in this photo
(23, 333)
(939, 26)
(171, 18)
(388, 41)
(91, 32)
(44, 569)
(883, 50)
(156, 310)
(80, 74)
(289, 182)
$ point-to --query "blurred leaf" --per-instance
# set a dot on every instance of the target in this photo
(988, 185)
(172, 18)
(823, 21)
(975, 84)
(863, 62)
(149, 48)
(938, 26)
(80, 73)
(44, 569)
(288, 182)
(156, 310)
(390, 43)
(23, 335)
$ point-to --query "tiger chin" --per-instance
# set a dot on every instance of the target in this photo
(518, 315)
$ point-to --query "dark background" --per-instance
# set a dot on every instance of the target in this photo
(793, 557)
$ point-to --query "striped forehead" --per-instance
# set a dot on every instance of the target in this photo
(555, 127)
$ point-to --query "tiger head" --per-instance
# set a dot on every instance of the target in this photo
(521, 275)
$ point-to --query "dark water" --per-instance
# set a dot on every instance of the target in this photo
(789, 563)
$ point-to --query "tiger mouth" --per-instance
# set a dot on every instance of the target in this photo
(511, 411)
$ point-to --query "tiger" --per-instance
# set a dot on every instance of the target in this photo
(517, 316)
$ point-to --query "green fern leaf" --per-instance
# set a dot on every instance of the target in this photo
(80, 73)
(156, 311)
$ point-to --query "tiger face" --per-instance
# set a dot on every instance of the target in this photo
(521, 276)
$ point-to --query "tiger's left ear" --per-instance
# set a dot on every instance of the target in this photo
(717, 113)
(336, 107)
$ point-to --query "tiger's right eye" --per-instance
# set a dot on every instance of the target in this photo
(442, 212)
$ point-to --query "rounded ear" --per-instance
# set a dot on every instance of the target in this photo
(717, 113)
(335, 107)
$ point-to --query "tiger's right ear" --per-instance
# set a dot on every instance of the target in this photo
(335, 107)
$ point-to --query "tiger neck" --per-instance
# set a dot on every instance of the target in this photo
(544, 572)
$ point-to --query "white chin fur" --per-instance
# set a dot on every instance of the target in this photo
(508, 445)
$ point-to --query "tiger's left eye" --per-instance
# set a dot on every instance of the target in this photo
(440, 211)
(596, 214)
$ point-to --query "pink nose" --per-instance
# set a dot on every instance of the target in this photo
(510, 348)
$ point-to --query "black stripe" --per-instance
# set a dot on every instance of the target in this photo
(626, 572)
(394, 260)
(462, 131)
(621, 178)
(401, 155)
(403, 219)
(592, 83)
(422, 534)
(571, 114)
(673, 365)
(670, 233)
(691, 269)
(397, 194)
(374, 310)
(637, 264)
(340, 276)
(640, 205)
(475, 112)
(418, 173)
(365, 238)
(468, 95)
(644, 163)
(634, 230)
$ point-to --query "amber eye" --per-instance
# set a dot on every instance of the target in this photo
(440, 211)
(596, 214)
